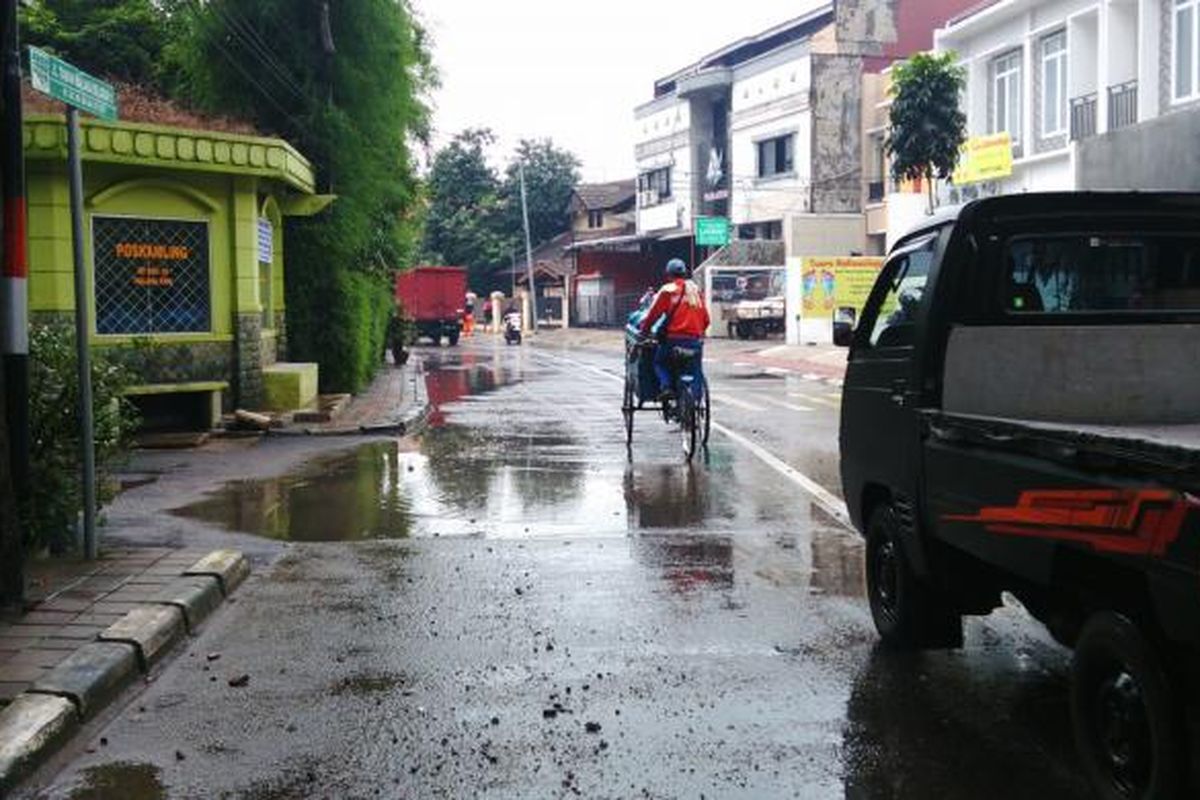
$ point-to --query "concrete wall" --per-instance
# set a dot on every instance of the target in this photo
(1158, 154)
(837, 134)
(824, 234)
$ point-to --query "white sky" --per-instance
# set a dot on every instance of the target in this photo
(574, 71)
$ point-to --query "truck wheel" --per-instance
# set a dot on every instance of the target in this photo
(743, 331)
(453, 339)
(759, 331)
(907, 614)
(1125, 715)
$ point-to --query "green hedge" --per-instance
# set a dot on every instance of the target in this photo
(339, 319)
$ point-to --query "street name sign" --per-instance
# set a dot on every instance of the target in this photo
(712, 231)
(62, 81)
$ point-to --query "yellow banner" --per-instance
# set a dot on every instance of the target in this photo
(827, 283)
(984, 158)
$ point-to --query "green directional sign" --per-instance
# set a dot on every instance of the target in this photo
(73, 86)
(712, 231)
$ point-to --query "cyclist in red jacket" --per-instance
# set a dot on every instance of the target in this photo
(686, 321)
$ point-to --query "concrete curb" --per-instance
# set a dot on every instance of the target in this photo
(91, 676)
(31, 727)
(36, 723)
(229, 567)
(150, 629)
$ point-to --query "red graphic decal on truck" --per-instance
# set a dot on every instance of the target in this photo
(1128, 521)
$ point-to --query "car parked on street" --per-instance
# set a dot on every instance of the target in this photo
(1021, 414)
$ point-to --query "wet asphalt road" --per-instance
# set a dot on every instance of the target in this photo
(515, 608)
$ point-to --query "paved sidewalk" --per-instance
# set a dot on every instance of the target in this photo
(393, 400)
(72, 601)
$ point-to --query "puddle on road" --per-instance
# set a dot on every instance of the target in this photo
(346, 496)
(121, 780)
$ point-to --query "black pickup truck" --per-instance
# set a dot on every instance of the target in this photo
(1021, 414)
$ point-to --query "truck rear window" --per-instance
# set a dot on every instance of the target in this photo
(1080, 273)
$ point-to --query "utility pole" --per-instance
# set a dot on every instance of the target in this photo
(329, 50)
(528, 250)
(14, 315)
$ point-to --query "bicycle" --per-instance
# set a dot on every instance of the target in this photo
(692, 409)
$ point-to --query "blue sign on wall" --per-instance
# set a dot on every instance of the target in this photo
(266, 242)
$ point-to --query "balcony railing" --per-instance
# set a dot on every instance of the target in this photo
(1122, 105)
(1083, 116)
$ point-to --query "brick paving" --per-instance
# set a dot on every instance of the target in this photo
(70, 602)
(384, 402)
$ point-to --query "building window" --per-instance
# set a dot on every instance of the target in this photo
(1054, 84)
(1185, 22)
(655, 186)
(595, 219)
(1006, 95)
(776, 156)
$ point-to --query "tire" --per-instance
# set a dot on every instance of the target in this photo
(704, 414)
(759, 331)
(743, 331)
(1125, 713)
(907, 614)
(627, 409)
(687, 421)
(453, 339)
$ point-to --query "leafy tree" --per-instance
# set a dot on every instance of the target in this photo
(120, 39)
(551, 174)
(927, 125)
(355, 112)
(474, 217)
(465, 220)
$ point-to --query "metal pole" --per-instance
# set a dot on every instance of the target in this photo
(528, 251)
(14, 309)
(82, 329)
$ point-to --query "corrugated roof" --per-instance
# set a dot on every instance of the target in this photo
(598, 196)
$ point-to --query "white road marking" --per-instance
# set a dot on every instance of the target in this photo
(778, 371)
(743, 365)
(828, 501)
(733, 401)
(820, 495)
(814, 399)
(782, 404)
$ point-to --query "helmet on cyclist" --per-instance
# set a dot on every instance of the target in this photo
(676, 268)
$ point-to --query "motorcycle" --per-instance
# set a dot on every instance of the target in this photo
(512, 329)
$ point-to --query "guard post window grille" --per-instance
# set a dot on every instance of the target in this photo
(151, 276)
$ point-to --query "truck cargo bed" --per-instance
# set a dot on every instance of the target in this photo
(1174, 448)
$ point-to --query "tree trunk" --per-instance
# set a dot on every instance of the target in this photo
(929, 187)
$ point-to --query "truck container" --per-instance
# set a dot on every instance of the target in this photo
(433, 299)
(1021, 415)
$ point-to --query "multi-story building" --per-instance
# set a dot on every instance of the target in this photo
(767, 131)
(1067, 79)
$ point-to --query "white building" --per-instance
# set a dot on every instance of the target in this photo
(732, 135)
(1057, 73)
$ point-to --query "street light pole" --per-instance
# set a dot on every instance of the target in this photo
(533, 323)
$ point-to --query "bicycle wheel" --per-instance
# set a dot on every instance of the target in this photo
(627, 407)
(704, 413)
(687, 421)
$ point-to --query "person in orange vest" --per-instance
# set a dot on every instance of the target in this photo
(681, 306)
